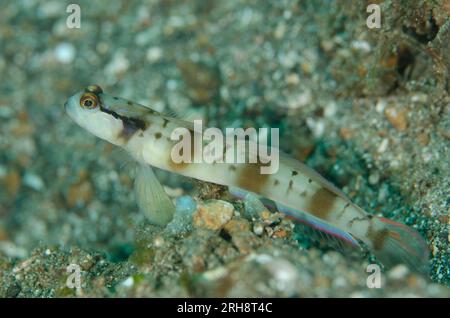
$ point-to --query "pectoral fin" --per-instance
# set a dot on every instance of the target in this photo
(151, 198)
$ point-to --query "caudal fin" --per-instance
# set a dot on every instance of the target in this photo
(401, 244)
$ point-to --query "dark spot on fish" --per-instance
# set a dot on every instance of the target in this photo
(129, 103)
(276, 182)
(116, 98)
(141, 134)
(377, 237)
(303, 193)
(291, 184)
(343, 210)
(321, 203)
(165, 122)
(356, 220)
(251, 178)
(309, 180)
(130, 125)
(232, 168)
(158, 135)
(294, 173)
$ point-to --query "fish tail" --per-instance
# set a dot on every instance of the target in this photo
(395, 243)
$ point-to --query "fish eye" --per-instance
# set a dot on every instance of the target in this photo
(89, 101)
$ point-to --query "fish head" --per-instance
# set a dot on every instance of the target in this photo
(92, 110)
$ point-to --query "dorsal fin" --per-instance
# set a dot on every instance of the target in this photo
(180, 122)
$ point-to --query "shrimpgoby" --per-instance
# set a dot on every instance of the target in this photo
(295, 189)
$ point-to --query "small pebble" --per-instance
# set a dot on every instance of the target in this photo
(237, 226)
(284, 273)
(258, 229)
(80, 193)
(292, 79)
(213, 215)
(12, 182)
(397, 118)
(317, 126)
(33, 181)
(383, 146)
(65, 53)
(361, 45)
(380, 106)
(399, 272)
(158, 241)
(154, 54)
(118, 65)
(330, 109)
(299, 100)
(129, 282)
(345, 133)
(374, 177)
(269, 231)
(280, 30)
(423, 139)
